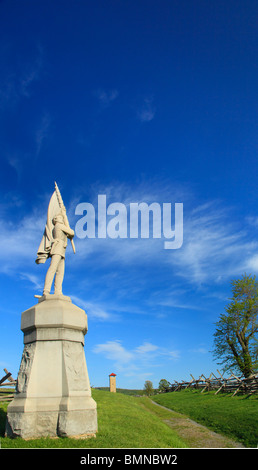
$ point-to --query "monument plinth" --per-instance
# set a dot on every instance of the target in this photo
(53, 395)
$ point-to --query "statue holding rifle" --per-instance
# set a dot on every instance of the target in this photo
(54, 242)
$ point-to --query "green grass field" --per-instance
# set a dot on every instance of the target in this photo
(235, 417)
(135, 422)
(124, 422)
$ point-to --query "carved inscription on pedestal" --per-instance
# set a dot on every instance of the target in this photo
(75, 366)
(25, 367)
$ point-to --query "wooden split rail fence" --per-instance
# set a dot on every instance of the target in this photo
(10, 383)
(232, 384)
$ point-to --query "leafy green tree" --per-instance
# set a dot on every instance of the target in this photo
(148, 388)
(163, 385)
(235, 339)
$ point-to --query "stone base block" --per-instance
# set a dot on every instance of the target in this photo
(77, 423)
(53, 423)
(32, 425)
(53, 394)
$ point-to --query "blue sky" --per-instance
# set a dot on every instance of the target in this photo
(152, 101)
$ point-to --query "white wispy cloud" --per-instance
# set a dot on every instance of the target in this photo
(16, 83)
(137, 359)
(215, 243)
(20, 241)
(94, 309)
(31, 73)
(16, 163)
(114, 351)
(199, 350)
(147, 110)
(146, 348)
(33, 279)
(105, 97)
(169, 300)
(252, 220)
(252, 264)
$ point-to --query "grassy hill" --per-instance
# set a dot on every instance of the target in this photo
(235, 417)
(124, 422)
(135, 422)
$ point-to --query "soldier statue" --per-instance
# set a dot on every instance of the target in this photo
(54, 242)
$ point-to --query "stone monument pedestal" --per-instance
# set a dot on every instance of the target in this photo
(53, 395)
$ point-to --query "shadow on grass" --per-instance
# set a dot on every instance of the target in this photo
(247, 397)
(2, 422)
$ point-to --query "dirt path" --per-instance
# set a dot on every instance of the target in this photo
(195, 434)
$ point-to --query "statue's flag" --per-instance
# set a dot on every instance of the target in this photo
(54, 208)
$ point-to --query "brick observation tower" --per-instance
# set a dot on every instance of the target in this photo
(112, 383)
